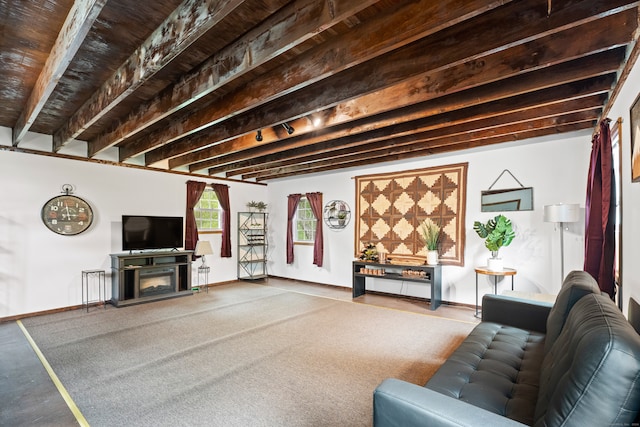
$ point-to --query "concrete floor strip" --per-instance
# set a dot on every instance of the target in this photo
(61, 389)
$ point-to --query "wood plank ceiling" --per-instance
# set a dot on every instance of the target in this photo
(189, 85)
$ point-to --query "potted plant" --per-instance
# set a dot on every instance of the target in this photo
(342, 216)
(259, 206)
(369, 253)
(497, 232)
(430, 232)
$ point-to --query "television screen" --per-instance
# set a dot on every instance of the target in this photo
(141, 232)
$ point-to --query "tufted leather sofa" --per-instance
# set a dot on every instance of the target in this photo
(576, 363)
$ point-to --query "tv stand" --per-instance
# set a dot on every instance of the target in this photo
(150, 276)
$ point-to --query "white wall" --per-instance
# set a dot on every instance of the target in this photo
(630, 190)
(41, 270)
(556, 167)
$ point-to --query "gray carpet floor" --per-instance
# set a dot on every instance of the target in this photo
(241, 355)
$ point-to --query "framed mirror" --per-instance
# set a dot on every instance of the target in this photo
(508, 199)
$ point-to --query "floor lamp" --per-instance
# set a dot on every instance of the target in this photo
(562, 214)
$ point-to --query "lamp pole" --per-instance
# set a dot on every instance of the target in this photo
(561, 252)
(562, 214)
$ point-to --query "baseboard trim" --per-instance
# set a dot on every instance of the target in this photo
(40, 313)
(408, 297)
(308, 282)
(76, 307)
(212, 285)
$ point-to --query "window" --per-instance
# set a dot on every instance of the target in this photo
(305, 222)
(615, 158)
(208, 212)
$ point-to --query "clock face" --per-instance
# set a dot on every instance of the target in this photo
(67, 215)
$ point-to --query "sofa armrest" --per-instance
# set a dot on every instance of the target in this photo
(398, 403)
(516, 312)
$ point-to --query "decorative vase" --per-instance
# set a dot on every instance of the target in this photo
(432, 257)
(495, 263)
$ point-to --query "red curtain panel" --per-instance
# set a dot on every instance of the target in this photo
(600, 213)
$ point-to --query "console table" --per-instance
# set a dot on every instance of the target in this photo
(427, 274)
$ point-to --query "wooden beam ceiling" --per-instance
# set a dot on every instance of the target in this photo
(520, 85)
(368, 114)
(361, 82)
(447, 72)
(496, 114)
(322, 62)
(283, 31)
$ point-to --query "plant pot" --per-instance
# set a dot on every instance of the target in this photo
(495, 264)
(432, 257)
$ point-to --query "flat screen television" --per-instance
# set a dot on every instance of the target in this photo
(140, 232)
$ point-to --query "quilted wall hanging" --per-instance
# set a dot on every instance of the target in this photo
(390, 208)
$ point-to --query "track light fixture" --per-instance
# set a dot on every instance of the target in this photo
(259, 136)
(289, 129)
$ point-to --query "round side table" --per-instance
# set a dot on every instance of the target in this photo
(504, 272)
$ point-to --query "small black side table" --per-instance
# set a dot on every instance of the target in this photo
(204, 271)
(99, 275)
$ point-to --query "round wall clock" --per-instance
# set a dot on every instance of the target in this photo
(67, 214)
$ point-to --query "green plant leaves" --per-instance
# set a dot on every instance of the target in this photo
(430, 234)
(480, 229)
(497, 232)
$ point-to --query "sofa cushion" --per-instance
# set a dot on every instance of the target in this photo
(576, 285)
(496, 368)
(633, 314)
(591, 374)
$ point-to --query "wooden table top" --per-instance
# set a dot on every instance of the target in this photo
(504, 272)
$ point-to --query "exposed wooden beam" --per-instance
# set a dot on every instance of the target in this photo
(42, 153)
(474, 69)
(186, 24)
(288, 28)
(467, 144)
(382, 34)
(465, 130)
(74, 30)
(634, 54)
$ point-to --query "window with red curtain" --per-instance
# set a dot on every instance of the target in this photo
(223, 198)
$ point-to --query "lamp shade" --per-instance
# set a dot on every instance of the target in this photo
(562, 213)
(203, 247)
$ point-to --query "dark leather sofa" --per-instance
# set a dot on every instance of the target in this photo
(576, 363)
